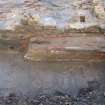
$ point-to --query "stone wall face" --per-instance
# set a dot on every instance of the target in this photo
(99, 9)
(63, 14)
(58, 28)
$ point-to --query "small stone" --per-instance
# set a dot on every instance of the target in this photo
(68, 103)
(104, 94)
(40, 104)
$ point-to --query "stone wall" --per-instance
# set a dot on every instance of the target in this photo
(60, 14)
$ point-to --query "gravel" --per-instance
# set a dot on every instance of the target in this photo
(93, 95)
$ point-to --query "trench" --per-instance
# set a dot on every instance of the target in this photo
(35, 78)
